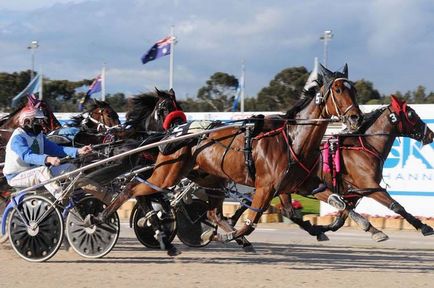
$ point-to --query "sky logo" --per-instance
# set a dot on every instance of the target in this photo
(405, 149)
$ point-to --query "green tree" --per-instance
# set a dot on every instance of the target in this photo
(218, 93)
(366, 94)
(10, 86)
(283, 91)
(117, 101)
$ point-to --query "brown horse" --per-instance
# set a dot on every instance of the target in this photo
(89, 127)
(362, 156)
(283, 152)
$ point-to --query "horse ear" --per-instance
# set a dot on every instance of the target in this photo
(157, 91)
(326, 73)
(395, 102)
(172, 93)
(345, 70)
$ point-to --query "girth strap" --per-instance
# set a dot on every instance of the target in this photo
(248, 158)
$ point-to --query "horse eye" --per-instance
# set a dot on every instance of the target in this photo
(410, 114)
(338, 90)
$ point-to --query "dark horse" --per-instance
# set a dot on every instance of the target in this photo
(282, 151)
(361, 159)
(147, 119)
(89, 127)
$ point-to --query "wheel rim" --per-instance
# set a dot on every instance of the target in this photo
(145, 235)
(191, 222)
(41, 239)
(94, 241)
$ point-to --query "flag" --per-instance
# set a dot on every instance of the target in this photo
(34, 101)
(95, 87)
(238, 93)
(159, 49)
(32, 88)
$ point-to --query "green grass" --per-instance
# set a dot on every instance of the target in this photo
(310, 206)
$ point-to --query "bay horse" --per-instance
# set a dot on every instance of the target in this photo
(148, 117)
(283, 152)
(88, 127)
(362, 157)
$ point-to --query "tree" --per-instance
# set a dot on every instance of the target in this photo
(366, 94)
(11, 85)
(117, 101)
(218, 94)
(283, 91)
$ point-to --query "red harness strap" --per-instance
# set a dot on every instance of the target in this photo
(362, 147)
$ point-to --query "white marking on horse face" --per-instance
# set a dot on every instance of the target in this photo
(156, 116)
(348, 85)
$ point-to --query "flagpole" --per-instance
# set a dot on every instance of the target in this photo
(41, 96)
(171, 57)
(103, 83)
(242, 86)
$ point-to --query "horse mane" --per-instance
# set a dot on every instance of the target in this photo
(301, 103)
(140, 107)
(369, 119)
(75, 120)
(5, 118)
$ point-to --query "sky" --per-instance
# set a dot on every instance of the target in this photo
(387, 42)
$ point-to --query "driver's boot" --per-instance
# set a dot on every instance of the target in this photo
(154, 222)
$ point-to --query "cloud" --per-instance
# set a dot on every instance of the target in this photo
(379, 39)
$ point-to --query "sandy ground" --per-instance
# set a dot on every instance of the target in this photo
(285, 257)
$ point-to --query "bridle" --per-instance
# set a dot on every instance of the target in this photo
(401, 117)
(177, 113)
(101, 125)
(321, 98)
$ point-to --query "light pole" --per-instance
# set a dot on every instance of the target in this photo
(33, 45)
(326, 36)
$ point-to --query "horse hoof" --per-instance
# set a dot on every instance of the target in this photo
(380, 237)
(207, 235)
(336, 201)
(249, 249)
(172, 252)
(322, 237)
(91, 220)
(426, 230)
(141, 222)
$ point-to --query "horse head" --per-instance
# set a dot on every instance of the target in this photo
(157, 111)
(408, 122)
(338, 97)
(99, 116)
(168, 112)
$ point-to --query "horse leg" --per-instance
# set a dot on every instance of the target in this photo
(363, 223)
(261, 200)
(288, 212)
(216, 203)
(385, 199)
(165, 244)
(120, 199)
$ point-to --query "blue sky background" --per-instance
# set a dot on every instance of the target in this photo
(388, 42)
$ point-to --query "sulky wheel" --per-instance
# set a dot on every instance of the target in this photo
(145, 234)
(35, 229)
(191, 222)
(94, 241)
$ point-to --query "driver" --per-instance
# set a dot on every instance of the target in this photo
(32, 159)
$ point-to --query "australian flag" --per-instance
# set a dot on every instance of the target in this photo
(95, 87)
(159, 49)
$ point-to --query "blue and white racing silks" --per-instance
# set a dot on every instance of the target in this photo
(25, 151)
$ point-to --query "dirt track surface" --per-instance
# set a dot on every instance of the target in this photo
(285, 257)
